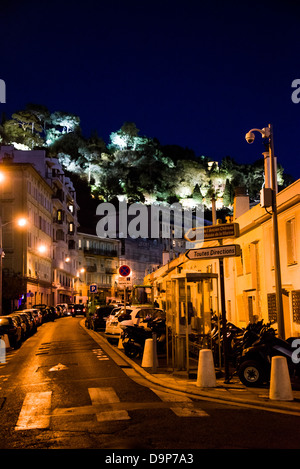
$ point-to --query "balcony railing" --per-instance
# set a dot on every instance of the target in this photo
(100, 252)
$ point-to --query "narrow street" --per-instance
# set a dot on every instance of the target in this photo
(61, 390)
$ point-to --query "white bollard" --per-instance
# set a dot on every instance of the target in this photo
(149, 355)
(6, 340)
(280, 383)
(206, 377)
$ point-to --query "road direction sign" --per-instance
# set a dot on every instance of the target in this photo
(124, 270)
(214, 252)
(205, 233)
(93, 288)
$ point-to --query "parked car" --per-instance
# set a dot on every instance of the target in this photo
(33, 318)
(98, 319)
(134, 315)
(78, 309)
(38, 316)
(71, 307)
(24, 322)
(10, 326)
(43, 309)
(63, 308)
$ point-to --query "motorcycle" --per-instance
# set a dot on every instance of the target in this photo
(237, 340)
(254, 365)
(134, 337)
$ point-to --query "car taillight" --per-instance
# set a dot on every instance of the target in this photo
(73, 310)
(83, 310)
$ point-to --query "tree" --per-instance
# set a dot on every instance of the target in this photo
(23, 128)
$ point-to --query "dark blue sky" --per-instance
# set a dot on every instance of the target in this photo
(197, 73)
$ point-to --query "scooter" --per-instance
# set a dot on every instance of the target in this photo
(255, 362)
(134, 337)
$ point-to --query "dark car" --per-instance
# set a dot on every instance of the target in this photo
(25, 323)
(43, 309)
(33, 319)
(98, 319)
(11, 327)
(78, 309)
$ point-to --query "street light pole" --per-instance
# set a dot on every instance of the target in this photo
(268, 133)
(277, 268)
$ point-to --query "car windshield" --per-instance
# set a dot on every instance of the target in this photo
(152, 313)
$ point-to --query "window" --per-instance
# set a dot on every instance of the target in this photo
(71, 228)
(291, 241)
(59, 216)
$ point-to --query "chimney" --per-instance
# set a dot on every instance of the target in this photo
(241, 202)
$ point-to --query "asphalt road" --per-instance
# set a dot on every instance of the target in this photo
(61, 390)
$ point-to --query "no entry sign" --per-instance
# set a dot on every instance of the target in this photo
(124, 270)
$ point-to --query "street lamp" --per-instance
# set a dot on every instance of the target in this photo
(267, 133)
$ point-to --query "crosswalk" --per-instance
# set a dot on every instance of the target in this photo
(105, 405)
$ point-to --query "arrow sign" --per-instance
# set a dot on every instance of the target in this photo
(214, 252)
(206, 233)
(58, 367)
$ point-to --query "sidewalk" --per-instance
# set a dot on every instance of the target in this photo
(234, 392)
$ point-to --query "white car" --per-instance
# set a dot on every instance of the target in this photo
(134, 315)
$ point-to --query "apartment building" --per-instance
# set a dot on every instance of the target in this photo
(40, 263)
(27, 261)
(64, 233)
(250, 278)
(98, 263)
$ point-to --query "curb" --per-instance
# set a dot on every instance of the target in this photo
(121, 359)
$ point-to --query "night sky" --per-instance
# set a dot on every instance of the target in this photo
(199, 74)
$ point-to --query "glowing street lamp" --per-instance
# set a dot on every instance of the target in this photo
(42, 248)
(21, 222)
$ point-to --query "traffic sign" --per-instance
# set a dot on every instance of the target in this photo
(205, 233)
(93, 288)
(231, 250)
(124, 270)
(123, 281)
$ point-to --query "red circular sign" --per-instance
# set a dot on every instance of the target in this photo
(124, 270)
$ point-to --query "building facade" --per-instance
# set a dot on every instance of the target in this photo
(40, 263)
(98, 264)
(189, 290)
(64, 233)
(27, 261)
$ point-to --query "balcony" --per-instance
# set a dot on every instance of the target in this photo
(100, 252)
(109, 270)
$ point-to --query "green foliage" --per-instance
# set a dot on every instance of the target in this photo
(131, 165)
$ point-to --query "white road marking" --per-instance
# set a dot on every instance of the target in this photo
(100, 354)
(58, 367)
(35, 412)
(184, 406)
(107, 396)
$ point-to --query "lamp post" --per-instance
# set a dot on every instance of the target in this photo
(267, 133)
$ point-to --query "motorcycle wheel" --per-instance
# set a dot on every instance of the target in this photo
(251, 373)
(130, 352)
